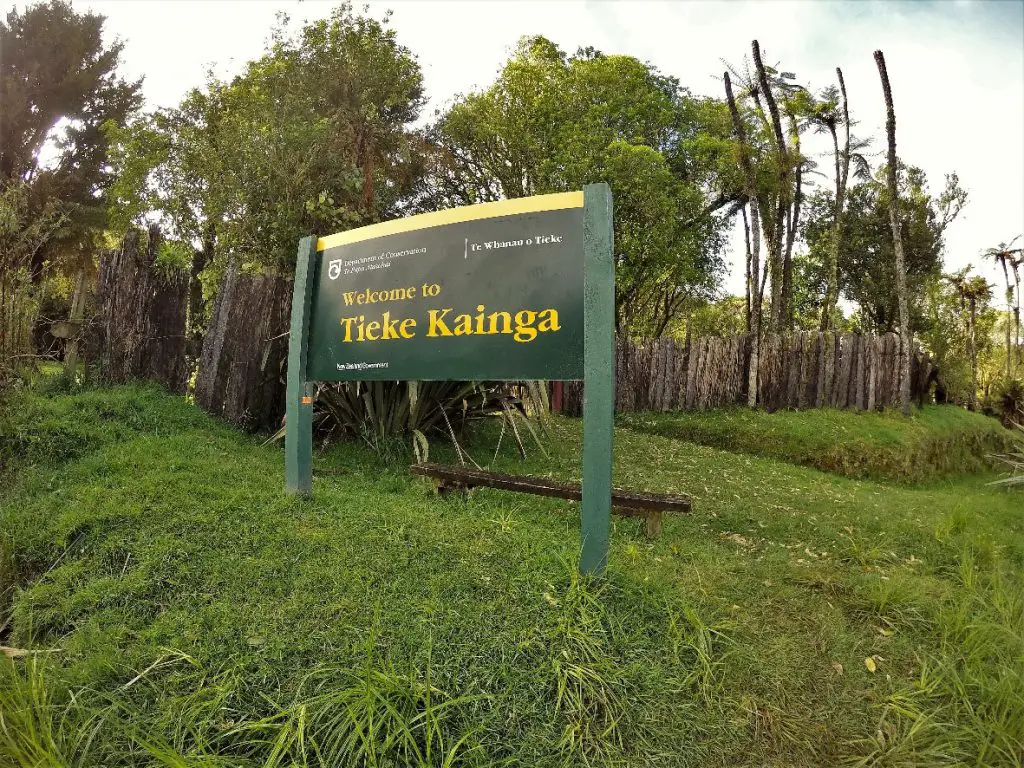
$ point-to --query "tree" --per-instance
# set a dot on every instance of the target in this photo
(753, 288)
(949, 334)
(973, 292)
(1017, 265)
(1008, 258)
(782, 276)
(552, 122)
(865, 263)
(831, 111)
(894, 222)
(767, 94)
(60, 96)
(314, 136)
(23, 234)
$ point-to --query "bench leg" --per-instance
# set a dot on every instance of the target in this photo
(653, 526)
(447, 488)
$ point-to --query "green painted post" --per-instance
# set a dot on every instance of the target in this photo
(298, 433)
(598, 374)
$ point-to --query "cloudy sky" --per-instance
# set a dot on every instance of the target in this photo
(956, 66)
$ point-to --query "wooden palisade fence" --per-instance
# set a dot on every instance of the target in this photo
(241, 369)
(799, 370)
(139, 331)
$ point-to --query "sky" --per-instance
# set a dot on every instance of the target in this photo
(956, 68)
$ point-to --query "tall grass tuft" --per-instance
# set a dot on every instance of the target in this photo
(967, 704)
(697, 649)
(41, 725)
(587, 681)
(1015, 461)
(370, 717)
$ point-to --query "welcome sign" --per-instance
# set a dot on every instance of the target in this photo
(513, 290)
(487, 292)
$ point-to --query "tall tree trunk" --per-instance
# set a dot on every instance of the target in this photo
(750, 181)
(1009, 316)
(200, 260)
(972, 349)
(792, 223)
(750, 286)
(894, 223)
(77, 313)
(783, 267)
(1017, 264)
(842, 163)
(832, 267)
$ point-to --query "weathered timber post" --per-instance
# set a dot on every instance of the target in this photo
(299, 397)
(598, 375)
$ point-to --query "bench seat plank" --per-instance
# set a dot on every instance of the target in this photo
(630, 503)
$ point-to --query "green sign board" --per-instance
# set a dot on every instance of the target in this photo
(514, 290)
(445, 296)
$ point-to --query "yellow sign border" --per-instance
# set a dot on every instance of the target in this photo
(555, 202)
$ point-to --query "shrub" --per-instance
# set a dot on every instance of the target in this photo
(387, 413)
(1015, 460)
(1010, 403)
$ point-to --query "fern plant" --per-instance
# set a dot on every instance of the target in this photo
(387, 414)
(1015, 461)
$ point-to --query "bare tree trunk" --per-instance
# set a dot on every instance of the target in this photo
(832, 267)
(894, 223)
(780, 308)
(973, 351)
(77, 312)
(749, 285)
(1016, 310)
(1009, 314)
(755, 251)
(792, 224)
(842, 163)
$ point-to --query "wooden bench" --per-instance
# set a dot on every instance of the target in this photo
(649, 506)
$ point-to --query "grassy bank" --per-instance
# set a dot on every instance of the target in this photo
(203, 617)
(935, 441)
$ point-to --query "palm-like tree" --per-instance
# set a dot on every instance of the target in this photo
(830, 112)
(1009, 258)
(1017, 264)
(771, 93)
(972, 290)
(897, 238)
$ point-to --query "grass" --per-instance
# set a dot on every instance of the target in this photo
(203, 617)
(935, 441)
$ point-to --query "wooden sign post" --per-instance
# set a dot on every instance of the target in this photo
(513, 290)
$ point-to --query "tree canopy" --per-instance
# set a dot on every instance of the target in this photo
(866, 256)
(553, 122)
(58, 97)
(314, 136)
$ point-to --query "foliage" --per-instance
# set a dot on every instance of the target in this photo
(946, 333)
(313, 137)
(866, 258)
(715, 318)
(553, 122)
(1010, 400)
(387, 413)
(59, 96)
(24, 232)
(1014, 460)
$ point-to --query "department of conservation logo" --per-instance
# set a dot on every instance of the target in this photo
(334, 269)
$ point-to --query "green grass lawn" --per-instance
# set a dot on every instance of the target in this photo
(205, 618)
(936, 441)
